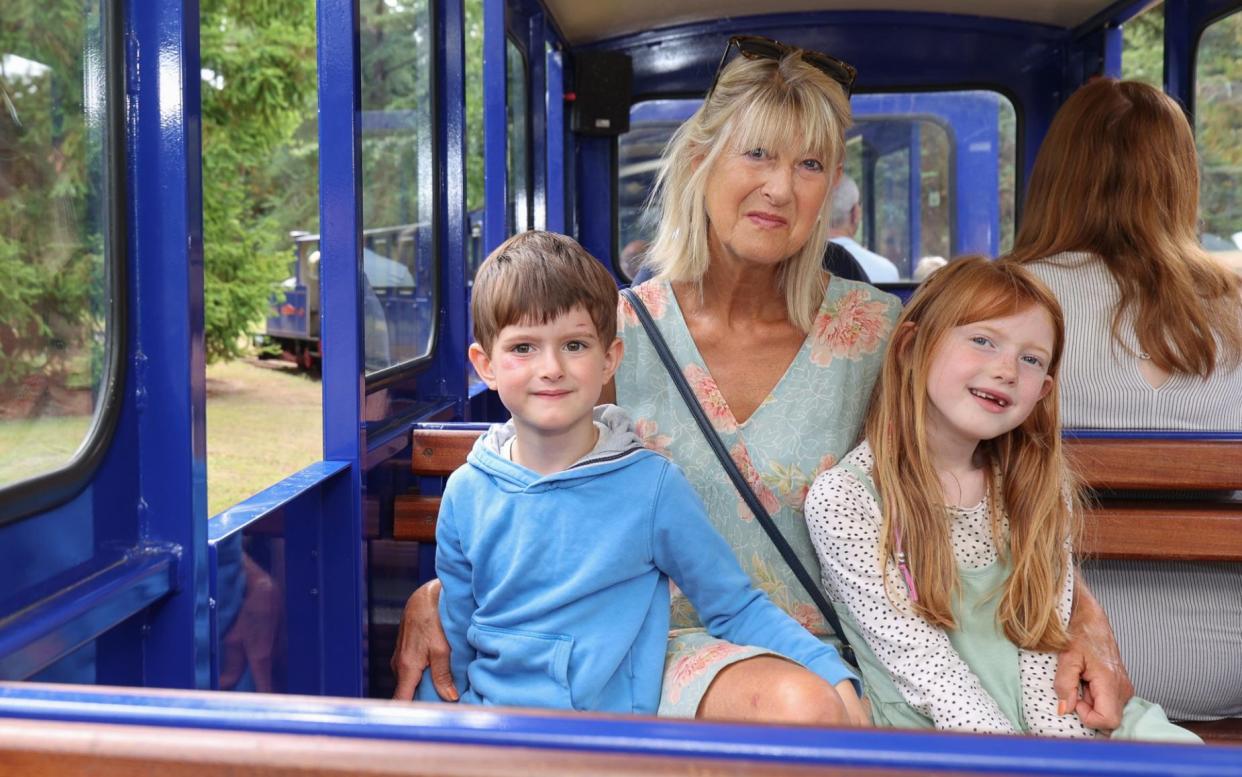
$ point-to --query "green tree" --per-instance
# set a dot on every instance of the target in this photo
(1218, 125)
(1142, 47)
(258, 59)
(51, 184)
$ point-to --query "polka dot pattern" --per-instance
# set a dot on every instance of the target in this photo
(844, 522)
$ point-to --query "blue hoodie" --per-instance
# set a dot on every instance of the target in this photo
(556, 587)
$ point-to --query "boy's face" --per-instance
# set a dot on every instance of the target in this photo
(549, 375)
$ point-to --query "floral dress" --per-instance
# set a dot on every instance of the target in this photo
(812, 417)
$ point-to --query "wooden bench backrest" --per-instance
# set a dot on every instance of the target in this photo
(1198, 529)
(1187, 530)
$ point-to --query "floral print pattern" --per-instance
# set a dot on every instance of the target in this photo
(685, 668)
(741, 457)
(654, 296)
(649, 431)
(855, 326)
(809, 420)
(709, 396)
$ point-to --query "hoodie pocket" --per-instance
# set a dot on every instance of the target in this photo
(520, 668)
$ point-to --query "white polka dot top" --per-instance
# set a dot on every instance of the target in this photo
(844, 521)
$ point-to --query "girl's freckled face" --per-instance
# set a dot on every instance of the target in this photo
(987, 376)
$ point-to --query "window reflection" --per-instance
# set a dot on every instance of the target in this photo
(1218, 122)
(519, 217)
(54, 301)
(398, 269)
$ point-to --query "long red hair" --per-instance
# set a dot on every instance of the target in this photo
(1118, 176)
(1029, 480)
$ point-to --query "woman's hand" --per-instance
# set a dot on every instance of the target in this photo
(1091, 678)
(421, 645)
(856, 710)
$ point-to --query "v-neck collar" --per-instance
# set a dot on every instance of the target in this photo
(715, 387)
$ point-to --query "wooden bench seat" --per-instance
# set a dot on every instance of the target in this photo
(1203, 528)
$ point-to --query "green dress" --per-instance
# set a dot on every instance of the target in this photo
(1018, 683)
(808, 421)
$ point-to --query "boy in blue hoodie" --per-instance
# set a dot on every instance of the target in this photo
(556, 540)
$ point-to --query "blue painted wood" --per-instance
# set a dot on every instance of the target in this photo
(553, 730)
(73, 609)
(257, 507)
(328, 541)
(168, 377)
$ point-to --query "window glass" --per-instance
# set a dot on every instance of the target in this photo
(519, 139)
(935, 171)
(398, 269)
(474, 135)
(890, 228)
(1142, 47)
(55, 262)
(260, 219)
(1218, 133)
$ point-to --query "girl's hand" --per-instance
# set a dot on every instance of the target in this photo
(855, 709)
(421, 645)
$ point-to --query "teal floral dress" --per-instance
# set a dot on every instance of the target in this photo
(811, 419)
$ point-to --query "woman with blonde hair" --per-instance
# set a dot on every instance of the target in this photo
(780, 355)
(1154, 342)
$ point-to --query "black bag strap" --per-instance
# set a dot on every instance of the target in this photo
(730, 467)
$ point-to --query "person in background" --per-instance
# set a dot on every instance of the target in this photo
(1154, 341)
(926, 266)
(845, 218)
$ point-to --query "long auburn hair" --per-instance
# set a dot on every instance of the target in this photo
(784, 103)
(1027, 477)
(1118, 176)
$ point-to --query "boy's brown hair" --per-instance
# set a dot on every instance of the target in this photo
(536, 276)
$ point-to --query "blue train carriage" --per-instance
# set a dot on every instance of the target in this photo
(115, 578)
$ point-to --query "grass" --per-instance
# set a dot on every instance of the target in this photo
(32, 447)
(264, 422)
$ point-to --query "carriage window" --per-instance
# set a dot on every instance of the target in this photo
(519, 139)
(398, 247)
(56, 239)
(1218, 124)
(474, 135)
(1142, 47)
(935, 172)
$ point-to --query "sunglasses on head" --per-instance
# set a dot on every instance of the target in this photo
(759, 47)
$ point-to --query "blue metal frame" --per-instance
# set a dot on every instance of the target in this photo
(301, 507)
(546, 730)
(447, 380)
(167, 398)
(344, 434)
(1150, 434)
(74, 608)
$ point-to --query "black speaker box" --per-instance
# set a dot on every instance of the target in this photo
(602, 87)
